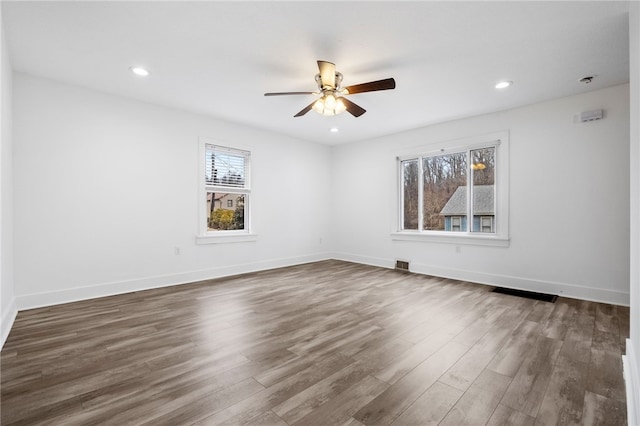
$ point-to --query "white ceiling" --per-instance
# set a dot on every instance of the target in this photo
(218, 58)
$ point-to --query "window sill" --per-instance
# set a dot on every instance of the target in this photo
(225, 238)
(448, 238)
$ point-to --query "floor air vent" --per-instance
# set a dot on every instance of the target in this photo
(528, 294)
(402, 265)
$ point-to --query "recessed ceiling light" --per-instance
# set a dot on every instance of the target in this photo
(334, 130)
(142, 72)
(504, 84)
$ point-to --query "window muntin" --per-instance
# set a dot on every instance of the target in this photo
(226, 189)
(456, 191)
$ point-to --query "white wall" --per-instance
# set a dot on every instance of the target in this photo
(569, 204)
(632, 357)
(106, 188)
(7, 300)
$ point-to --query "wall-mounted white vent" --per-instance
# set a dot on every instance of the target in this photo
(596, 114)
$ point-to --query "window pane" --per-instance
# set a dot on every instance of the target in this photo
(225, 166)
(445, 192)
(483, 171)
(410, 194)
(222, 218)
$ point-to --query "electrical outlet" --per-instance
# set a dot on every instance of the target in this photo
(177, 251)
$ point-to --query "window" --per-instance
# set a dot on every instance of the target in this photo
(457, 191)
(226, 173)
(486, 224)
(226, 190)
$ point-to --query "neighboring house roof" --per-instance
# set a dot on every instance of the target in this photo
(482, 201)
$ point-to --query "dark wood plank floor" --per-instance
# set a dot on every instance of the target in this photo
(318, 344)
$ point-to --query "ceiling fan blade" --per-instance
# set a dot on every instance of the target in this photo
(305, 110)
(289, 93)
(327, 73)
(372, 86)
(353, 109)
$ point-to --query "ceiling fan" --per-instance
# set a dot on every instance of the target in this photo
(333, 99)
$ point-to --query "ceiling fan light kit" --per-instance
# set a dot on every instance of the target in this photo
(329, 104)
(332, 100)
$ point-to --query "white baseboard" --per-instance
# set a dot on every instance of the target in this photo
(8, 317)
(561, 289)
(366, 260)
(632, 384)
(38, 300)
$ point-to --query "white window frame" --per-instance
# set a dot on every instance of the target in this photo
(501, 222)
(204, 236)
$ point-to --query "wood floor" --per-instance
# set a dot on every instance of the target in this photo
(318, 344)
